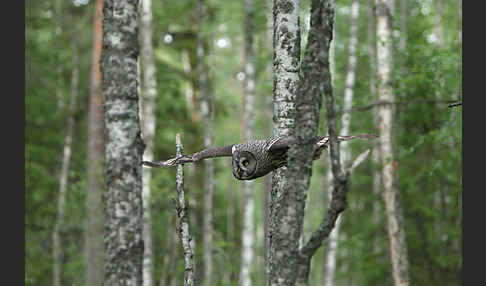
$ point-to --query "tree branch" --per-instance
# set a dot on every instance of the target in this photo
(337, 205)
(455, 104)
(404, 102)
(183, 228)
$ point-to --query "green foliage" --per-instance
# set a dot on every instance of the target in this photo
(428, 141)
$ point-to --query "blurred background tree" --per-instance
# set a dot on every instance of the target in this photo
(426, 74)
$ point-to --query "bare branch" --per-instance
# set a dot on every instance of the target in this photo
(382, 102)
(181, 159)
(358, 161)
(183, 228)
(337, 205)
(455, 104)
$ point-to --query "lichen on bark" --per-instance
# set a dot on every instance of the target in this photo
(124, 146)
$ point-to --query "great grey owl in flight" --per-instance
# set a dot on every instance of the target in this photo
(253, 159)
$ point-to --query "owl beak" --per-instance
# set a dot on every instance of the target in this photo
(237, 171)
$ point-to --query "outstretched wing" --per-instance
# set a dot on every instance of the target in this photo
(204, 154)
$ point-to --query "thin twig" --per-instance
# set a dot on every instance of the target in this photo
(455, 104)
(183, 228)
(380, 103)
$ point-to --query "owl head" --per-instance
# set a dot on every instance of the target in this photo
(244, 164)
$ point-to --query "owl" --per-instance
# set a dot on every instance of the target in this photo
(255, 158)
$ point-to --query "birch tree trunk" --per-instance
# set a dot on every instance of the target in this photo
(93, 224)
(330, 257)
(230, 226)
(170, 253)
(403, 26)
(149, 93)
(66, 159)
(56, 35)
(190, 90)
(376, 143)
(124, 146)
(286, 66)
(395, 225)
(331, 254)
(207, 117)
(440, 200)
(248, 231)
(267, 114)
(289, 263)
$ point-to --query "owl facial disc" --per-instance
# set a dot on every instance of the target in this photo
(244, 165)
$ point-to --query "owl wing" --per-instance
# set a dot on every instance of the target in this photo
(201, 155)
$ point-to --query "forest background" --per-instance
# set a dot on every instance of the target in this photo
(427, 75)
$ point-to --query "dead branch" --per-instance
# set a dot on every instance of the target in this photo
(404, 102)
(183, 228)
(358, 161)
(455, 104)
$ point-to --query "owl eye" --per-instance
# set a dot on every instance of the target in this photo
(244, 163)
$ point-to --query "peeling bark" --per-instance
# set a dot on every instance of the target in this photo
(124, 146)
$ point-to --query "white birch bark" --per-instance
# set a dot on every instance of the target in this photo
(149, 104)
(376, 209)
(267, 113)
(189, 90)
(286, 67)
(124, 145)
(395, 226)
(63, 178)
(230, 226)
(207, 117)
(333, 241)
(56, 33)
(248, 206)
(331, 253)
